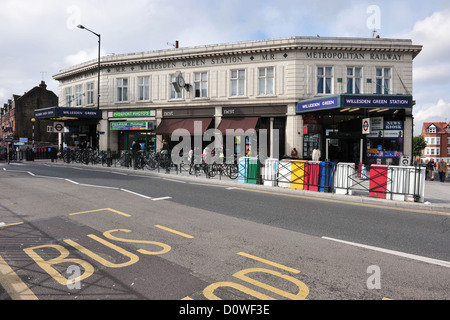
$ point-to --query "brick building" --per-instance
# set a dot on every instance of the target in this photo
(18, 112)
(437, 137)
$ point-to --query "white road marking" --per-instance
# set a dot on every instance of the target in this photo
(173, 180)
(163, 198)
(135, 193)
(396, 253)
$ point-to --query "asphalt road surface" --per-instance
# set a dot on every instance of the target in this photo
(87, 233)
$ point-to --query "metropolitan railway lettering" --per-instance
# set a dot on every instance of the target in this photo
(353, 56)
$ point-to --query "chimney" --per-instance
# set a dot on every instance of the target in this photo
(43, 85)
(177, 44)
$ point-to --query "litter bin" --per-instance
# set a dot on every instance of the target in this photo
(253, 170)
(343, 181)
(406, 183)
(284, 173)
(298, 174)
(378, 181)
(270, 172)
(242, 169)
(312, 173)
(326, 176)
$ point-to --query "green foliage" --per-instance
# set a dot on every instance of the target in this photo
(418, 145)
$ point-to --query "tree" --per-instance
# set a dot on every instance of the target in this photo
(418, 145)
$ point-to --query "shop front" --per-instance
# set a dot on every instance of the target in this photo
(127, 126)
(270, 120)
(77, 127)
(358, 128)
(195, 120)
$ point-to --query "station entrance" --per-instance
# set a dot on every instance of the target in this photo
(335, 126)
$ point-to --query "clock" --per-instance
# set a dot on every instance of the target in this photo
(180, 81)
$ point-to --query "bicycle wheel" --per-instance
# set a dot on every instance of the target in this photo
(232, 171)
(213, 169)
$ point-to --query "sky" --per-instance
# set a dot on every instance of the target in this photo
(38, 38)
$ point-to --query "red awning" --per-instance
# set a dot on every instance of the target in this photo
(168, 126)
(244, 123)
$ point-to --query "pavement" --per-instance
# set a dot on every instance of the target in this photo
(437, 194)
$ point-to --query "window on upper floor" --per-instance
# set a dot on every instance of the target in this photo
(143, 86)
(78, 95)
(266, 81)
(201, 84)
(432, 129)
(354, 80)
(237, 83)
(383, 80)
(122, 90)
(68, 95)
(90, 93)
(324, 80)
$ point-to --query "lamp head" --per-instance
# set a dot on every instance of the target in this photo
(80, 26)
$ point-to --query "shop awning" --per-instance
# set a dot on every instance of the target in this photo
(244, 123)
(168, 126)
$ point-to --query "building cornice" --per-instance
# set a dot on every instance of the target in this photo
(317, 44)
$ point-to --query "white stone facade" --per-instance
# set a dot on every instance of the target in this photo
(233, 76)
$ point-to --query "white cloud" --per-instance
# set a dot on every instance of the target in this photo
(439, 111)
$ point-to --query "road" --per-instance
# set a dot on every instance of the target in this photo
(87, 233)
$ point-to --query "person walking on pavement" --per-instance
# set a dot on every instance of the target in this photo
(431, 165)
(443, 170)
(135, 150)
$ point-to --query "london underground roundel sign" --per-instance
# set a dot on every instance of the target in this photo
(366, 126)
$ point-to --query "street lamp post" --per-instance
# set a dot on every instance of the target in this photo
(98, 80)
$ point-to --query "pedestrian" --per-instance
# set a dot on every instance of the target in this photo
(294, 153)
(431, 165)
(191, 156)
(443, 170)
(136, 147)
(316, 154)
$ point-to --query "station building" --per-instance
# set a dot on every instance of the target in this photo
(352, 97)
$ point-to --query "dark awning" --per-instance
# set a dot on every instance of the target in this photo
(67, 113)
(244, 123)
(168, 126)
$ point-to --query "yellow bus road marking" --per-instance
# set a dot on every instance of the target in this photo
(271, 263)
(98, 210)
(12, 283)
(11, 224)
(349, 202)
(174, 231)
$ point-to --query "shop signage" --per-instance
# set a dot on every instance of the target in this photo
(376, 101)
(127, 126)
(61, 112)
(376, 123)
(318, 104)
(355, 101)
(393, 125)
(133, 114)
